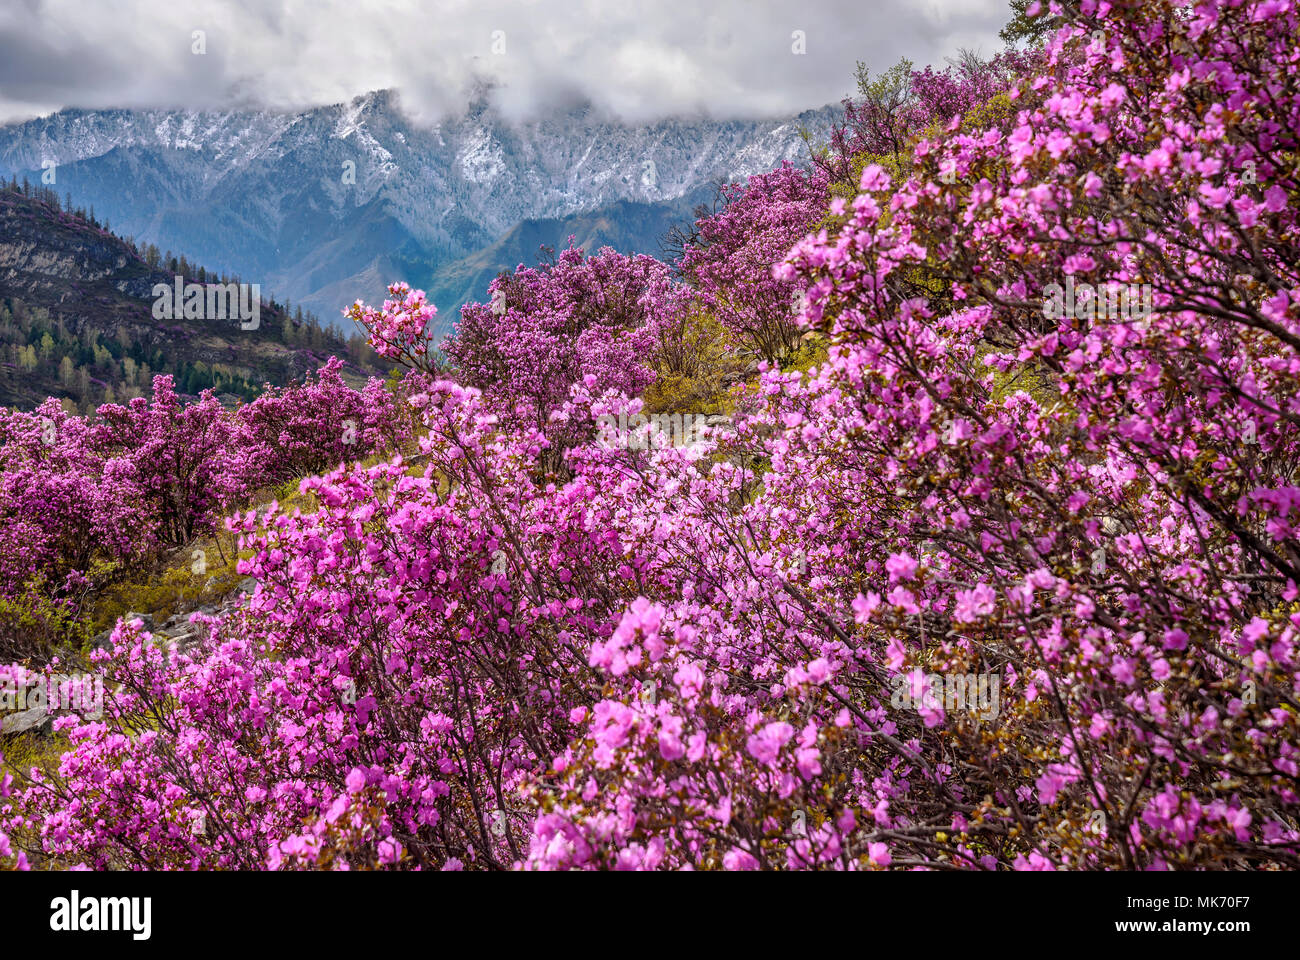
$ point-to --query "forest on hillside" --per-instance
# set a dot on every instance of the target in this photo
(97, 341)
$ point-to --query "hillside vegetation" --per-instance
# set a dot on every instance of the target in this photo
(879, 529)
(77, 318)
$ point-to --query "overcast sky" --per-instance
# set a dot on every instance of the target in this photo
(636, 59)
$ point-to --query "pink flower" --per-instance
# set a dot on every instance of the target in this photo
(904, 599)
(865, 606)
(766, 744)
(900, 566)
(735, 859)
(974, 604)
(874, 179)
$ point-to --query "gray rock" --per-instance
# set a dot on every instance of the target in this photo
(35, 718)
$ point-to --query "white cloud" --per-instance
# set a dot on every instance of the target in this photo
(639, 59)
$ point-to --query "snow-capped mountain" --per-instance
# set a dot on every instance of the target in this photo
(330, 204)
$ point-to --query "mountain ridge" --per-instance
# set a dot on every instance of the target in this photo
(316, 204)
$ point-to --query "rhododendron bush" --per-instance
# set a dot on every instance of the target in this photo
(731, 260)
(306, 428)
(54, 487)
(881, 124)
(544, 328)
(537, 649)
(156, 473)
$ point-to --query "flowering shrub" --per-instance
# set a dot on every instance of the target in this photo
(54, 489)
(180, 457)
(897, 107)
(6, 850)
(303, 429)
(548, 327)
(397, 332)
(726, 655)
(158, 473)
(731, 263)
(397, 667)
(1115, 538)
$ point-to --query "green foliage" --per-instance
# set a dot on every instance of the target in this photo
(33, 625)
(25, 751)
(693, 367)
(889, 96)
(812, 351)
(1023, 28)
(166, 587)
(992, 112)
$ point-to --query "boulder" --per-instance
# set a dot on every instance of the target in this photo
(34, 718)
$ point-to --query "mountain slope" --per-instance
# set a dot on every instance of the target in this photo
(77, 320)
(628, 226)
(321, 206)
